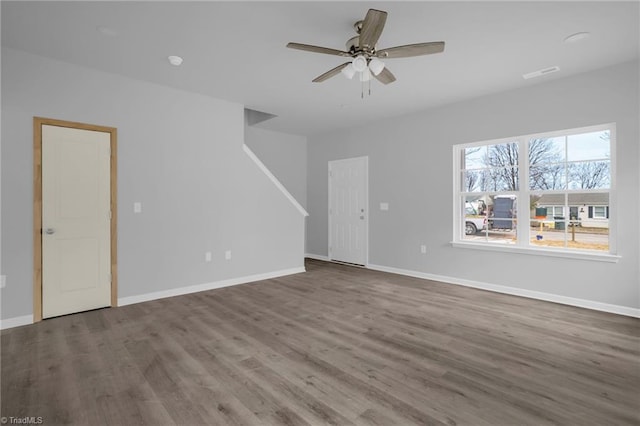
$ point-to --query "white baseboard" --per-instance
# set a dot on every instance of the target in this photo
(317, 257)
(549, 297)
(123, 301)
(16, 321)
(129, 300)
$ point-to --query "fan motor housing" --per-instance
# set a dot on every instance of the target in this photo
(353, 47)
(353, 44)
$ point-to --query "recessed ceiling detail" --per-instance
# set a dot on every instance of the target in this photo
(176, 61)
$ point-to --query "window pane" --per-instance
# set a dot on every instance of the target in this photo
(503, 155)
(495, 219)
(548, 177)
(474, 217)
(503, 212)
(474, 181)
(590, 175)
(582, 224)
(505, 179)
(589, 233)
(589, 146)
(474, 158)
(546, 151)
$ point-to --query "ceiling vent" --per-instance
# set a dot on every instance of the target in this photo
(541, 72)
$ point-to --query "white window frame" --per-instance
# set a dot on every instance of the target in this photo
(522, 244)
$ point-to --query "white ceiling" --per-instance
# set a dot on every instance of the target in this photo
(236, 50)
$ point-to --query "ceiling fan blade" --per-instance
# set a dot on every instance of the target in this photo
(372, 27)
(385, 76)
(317, 49)
(327, 75)
(409, 50)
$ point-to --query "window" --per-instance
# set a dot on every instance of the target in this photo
(600, 212)
(554, 211)
(544, 192)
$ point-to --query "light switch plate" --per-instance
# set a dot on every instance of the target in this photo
(207, 256)
(3, 281)
(227, 255)
(384, 206)
(137, 207)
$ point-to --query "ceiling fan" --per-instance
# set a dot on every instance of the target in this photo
(364, 54)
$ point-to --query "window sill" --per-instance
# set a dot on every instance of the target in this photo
(581, 255)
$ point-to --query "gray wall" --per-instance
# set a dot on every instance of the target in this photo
(180, 154)
(285, 155)
(410, 167)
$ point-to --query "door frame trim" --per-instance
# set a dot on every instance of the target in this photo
(365, 158)
(38, 122)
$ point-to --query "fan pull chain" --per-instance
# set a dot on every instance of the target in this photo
(362, 84)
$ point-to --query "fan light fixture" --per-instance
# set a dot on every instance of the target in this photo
(363, 53)
(376, 66)
(359, 65)
(349, 71)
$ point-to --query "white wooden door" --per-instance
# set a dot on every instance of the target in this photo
(348, 215)
(76, 242)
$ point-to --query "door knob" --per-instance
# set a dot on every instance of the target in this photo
(50, 231)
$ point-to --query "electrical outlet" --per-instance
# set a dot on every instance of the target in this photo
(207, 256)
(3, 281)
(227, 255)
(423, 249)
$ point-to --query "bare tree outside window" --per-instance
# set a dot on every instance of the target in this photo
(546, 170)
(589, 175)
(595, 171)
(503, 162)
(495, 167)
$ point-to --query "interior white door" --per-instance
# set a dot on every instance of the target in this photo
(348, 210)
(76, 242)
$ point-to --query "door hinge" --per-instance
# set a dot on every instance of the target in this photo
(109, 277)
(110, 215)
(330, 173)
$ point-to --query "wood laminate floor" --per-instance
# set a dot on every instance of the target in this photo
(337, 345)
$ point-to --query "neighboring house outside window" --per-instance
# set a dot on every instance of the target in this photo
(548, 191)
